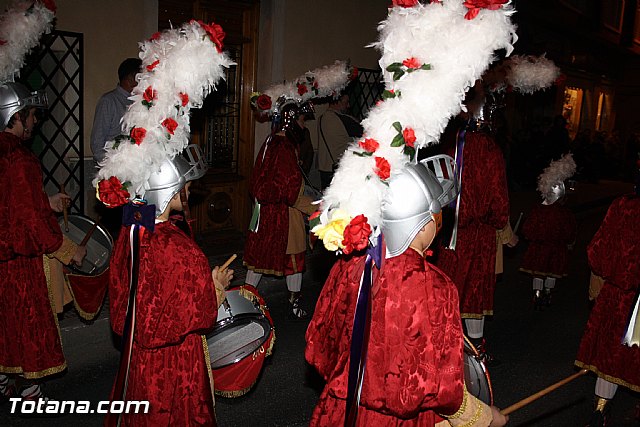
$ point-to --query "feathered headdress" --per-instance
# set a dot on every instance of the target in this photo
(431, 54)
(320, 83)
(522, 73)
(21, 26)
(557, 172)
(179, 69)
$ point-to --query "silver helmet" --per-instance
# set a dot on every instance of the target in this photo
(15, 97)
(172, 176)
(286, 113)
(415, 197)
(555, 193)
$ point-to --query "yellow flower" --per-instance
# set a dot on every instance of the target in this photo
(331, 234)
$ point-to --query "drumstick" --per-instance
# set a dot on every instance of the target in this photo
(515, 229)
(88, 235)
(228, 263)
(65, 211)
(541, 393)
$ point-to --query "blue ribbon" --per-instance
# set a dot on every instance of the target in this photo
(144, 215)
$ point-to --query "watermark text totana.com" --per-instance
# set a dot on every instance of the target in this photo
(41, 406)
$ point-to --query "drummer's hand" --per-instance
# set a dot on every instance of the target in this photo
(222, 278)
(59, 201)
(498, 419)
(81, 252)
(513, 241)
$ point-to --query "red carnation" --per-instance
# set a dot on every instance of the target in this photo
(112, 192)
(369, 144)
(184, 98)
(170, 124)
(356, 235)
(150, 94)
(155, 36)
(474, 6)
(138, 134)
(409, 136)
(215, 32)
(404, 3)
(411, 63)
(2, 42)
(153, 65)
(383, 169)
(264, 102)
(50, 4)
(302, 89)
(354, 73)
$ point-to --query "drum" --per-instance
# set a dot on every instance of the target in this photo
(240, 341)
(99, 244)
(476, 376)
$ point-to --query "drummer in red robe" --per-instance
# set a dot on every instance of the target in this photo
(469, 259)
(30, 344)
(610, 346)
(414, 364)
(550, 229)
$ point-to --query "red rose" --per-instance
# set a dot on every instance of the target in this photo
(2, 42)
(354, 73)
(170, 124)
(302, 89)
(49, 4)
(369, 144)
(383, 169)
(184, 99)
(149, 94)
(404, 3)
(409, 136)
(215, 32)
(138, 134)
(264, 102)
(314, 215)
(356, 235)
(411, 63)
(155, 36)
(153, 65)
(112, 192)
(474, 6)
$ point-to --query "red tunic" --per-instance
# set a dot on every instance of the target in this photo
(414, 367)
(549, 230)
(275, 183)
(484, 209)
(29, 338)
(614, 255)
(176, 303)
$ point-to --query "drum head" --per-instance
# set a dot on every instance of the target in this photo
(237, 338)
(99, 246)
(476, 376)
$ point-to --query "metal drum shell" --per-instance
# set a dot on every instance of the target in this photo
(96, 261)
(476, 375)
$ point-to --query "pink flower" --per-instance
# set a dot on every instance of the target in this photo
(411, 63)
(383, 169)
(302, 89)
(409, 136)
(138, 134)
(153, 65)
(184, 99)
(170, 124)
(369, 144)
(474, 6)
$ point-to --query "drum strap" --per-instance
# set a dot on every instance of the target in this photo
(360, 335)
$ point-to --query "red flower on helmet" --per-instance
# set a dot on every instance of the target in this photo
(155, 36)
(409, 136)
(369, 144)
(50, 4)
(112, 193)
(215, 32)
(411, 63)
(138, 134)
(404, 3)
(383, 169)
(356, 235)
(150, 94)
(153, 65)
(474, 6)
(170, 124)
(184, 99)
(302, 89)
(264, 102)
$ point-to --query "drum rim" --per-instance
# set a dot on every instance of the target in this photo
(472, 353)
(225, 323)
(104, 231)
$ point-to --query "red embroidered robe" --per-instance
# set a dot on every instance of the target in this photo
(614, 255)
(275, 183)
(414, 366)
(549, 230)
(176, 303)
(29, 337)
(484, 209)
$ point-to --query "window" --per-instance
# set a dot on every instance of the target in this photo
(571, 109)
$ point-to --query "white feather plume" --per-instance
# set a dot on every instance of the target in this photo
(21, 26)
(523, 73)
(177, 62)
(558, 171)
(457, 52)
